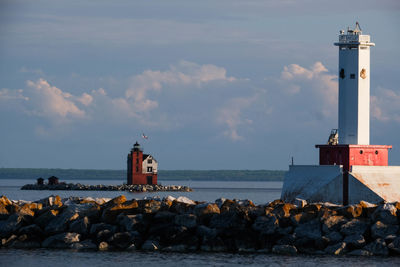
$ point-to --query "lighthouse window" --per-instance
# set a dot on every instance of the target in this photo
(149, 169)
(149, 161)
(352, 76)
(361, 151)
(341, 74)
(376, 152)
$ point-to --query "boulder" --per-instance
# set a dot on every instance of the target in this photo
(267, 225)
(131, 222)
(220, 202)
(377, 247)
(355, 241)
(163, 217)
(28, 244)
(5, 201)
(395, 245)
(121, 240)
(381, 230)
(336, 249)
(302, 217)
(185, 200)
(149, 206)
(46, 217)
(206, 232)
(115, 201)
(351, 211)
(3, 212)
(300, 203)
(333, 223)
(283, 210)
(354, 227)
(61, 222)
(310, 230)
(63, 240)
(86, 245)
(206, 209)
(284, 249)
(187, 220)
(95, 228)
(13, 224)
(334, 237)
(31, 230)
(386, 213)
(112, 211)
(80, 226)
(150, 245)
(103, 246)
(227, 220)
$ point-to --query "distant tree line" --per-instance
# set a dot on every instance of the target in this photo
(203, 175)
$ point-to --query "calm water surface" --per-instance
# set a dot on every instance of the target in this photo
(259, 192)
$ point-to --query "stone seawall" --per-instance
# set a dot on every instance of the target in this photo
(183, 225)
(124, 187)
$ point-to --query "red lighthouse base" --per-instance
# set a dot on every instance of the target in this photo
(349, 155)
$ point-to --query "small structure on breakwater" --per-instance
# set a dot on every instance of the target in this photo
(350, 169)
(141, 168)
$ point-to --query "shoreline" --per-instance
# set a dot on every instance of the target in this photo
(183, 225)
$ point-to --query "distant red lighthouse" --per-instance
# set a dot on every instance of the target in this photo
(141, 168)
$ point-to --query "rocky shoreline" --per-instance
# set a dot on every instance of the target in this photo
(124, 187)
(183, 225)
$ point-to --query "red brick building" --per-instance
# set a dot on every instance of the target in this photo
(141, 168)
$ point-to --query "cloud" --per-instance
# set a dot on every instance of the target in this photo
(231, 115)
(7, 94)
(310, 85)
(385, 105)
(51, 101)
(183, 74)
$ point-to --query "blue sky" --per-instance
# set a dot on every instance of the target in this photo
(214, 84)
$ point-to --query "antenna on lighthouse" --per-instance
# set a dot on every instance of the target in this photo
(357, 29)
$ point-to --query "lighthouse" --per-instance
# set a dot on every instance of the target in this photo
(350, 169)
(354, 91)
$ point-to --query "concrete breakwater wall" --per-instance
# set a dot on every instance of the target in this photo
(183, 225)
(124, 187)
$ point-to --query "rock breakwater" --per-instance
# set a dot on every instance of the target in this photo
(124, 187)
(184, 225)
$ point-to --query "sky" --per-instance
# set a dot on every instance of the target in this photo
(213, 84)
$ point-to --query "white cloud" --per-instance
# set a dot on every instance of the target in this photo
(7, 94)
(183, 74)
(51, 101)
(315, 84)
(385, 105)
(231, 116)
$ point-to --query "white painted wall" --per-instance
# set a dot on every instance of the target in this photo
(154, 165)
(354, 94)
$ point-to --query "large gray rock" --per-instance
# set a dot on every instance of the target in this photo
(355, 241)
(204, 231)
(60, 223)
(150, 245)
(187, 220)
(13, 224)
(103, 246)
(284, 249)
(31, 230)
(336, 249)
(395, 245)
(309, 230)
(121, 240)
(360, 252)
(379, 229)
(45, 217)
(267, 225)
(378, 247)
(86, 245)
(333, 223)
(386, 213)
(334, 237)
(63, 240)
(97, 227)
(80, 226)
(354, 227)
(130, 222)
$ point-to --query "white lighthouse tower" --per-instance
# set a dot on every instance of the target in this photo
(354, 92)
(350, 169)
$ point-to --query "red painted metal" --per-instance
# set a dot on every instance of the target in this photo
(135, 173)
(349, 155)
